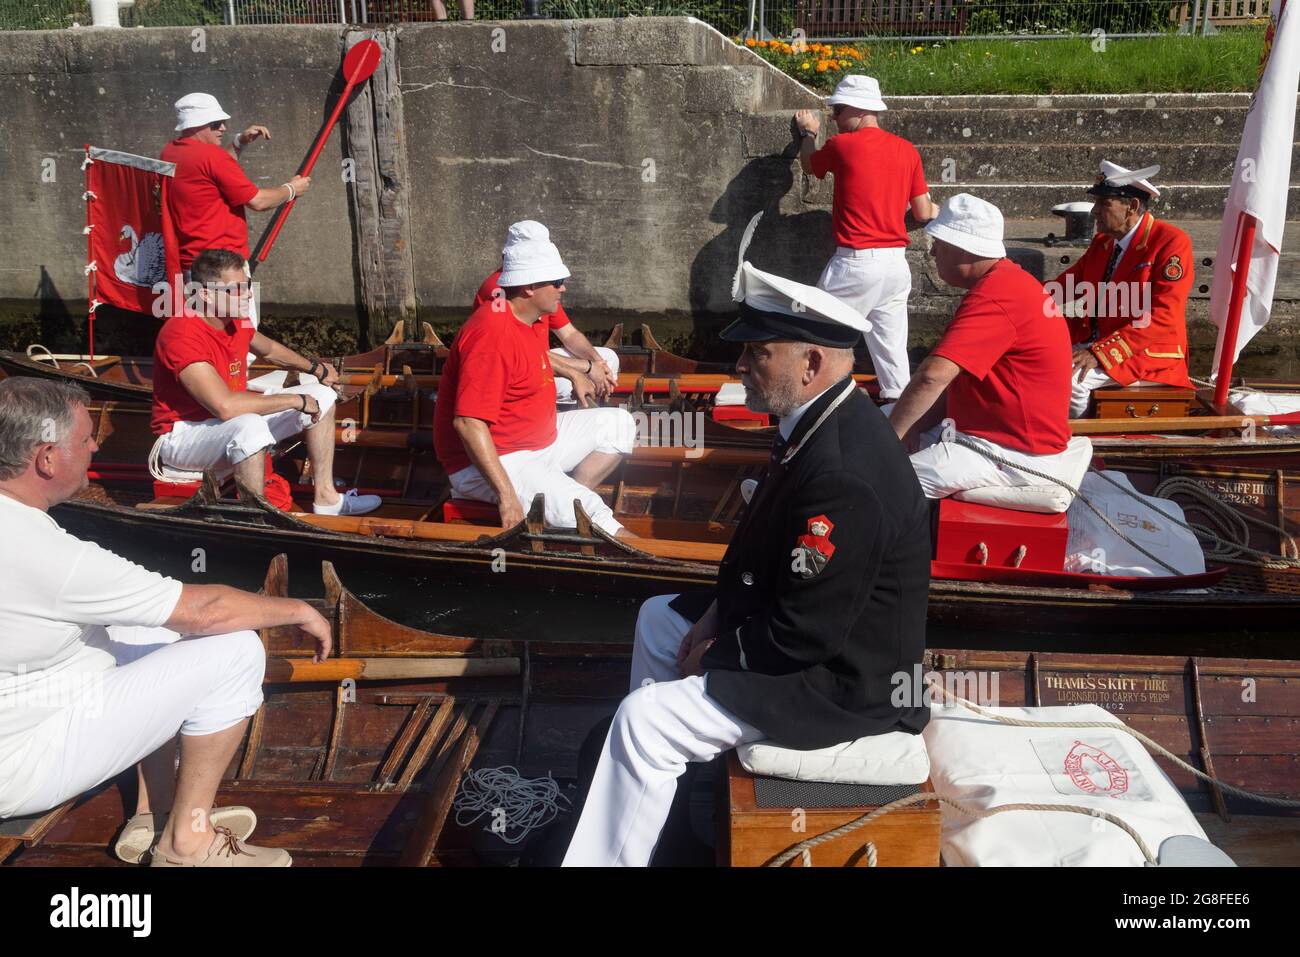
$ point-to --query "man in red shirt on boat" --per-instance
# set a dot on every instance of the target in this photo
(1000, 374)
(1134, 279)
(878, 178)
(203, 413)
(581, 369)
(207, 195)
(495, 427)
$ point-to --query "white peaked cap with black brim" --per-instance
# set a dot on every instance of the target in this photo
(773, 307)
(1115, 180)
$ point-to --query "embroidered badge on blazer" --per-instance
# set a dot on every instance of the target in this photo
(813, 550)
(1173, 270)
(235, 367)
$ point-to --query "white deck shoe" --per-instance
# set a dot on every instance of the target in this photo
(350, 503)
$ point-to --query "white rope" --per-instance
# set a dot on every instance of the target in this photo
(90, 267)
(86, 231)
(514, 806)
(94, 304)
(48, 357)
(88, 195)
(1233, 532)
(87, 161)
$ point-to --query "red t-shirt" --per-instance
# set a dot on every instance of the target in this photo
(1014, 351)
(877, 174)
(187, 339)
(553, 320)
(499, 371)
(206, 198)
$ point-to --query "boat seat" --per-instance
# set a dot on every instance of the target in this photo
(1143, 400)
(1046, 497)
(467, 511)
(973, 534)
(894, 758)
(740, 416)
(766, 815)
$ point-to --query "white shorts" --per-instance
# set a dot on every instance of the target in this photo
(159, 684)
(564, 388)
(946, 468)
(214, 444)
(876, 282)
(545, 471)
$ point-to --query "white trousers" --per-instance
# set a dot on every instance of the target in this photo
(545, 471)
(945, 468)
(663, 723)
(564, 388)
(212, 443)
(876, 282)
(158, 685)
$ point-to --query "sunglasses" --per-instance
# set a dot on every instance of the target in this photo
(557, 283)
(216, 125)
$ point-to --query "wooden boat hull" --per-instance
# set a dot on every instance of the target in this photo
(330, 775)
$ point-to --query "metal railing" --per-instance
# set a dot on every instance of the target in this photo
(865, 19)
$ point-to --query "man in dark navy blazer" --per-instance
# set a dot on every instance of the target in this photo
(821, 597)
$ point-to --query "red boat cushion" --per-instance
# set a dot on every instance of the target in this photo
(965, 526)
(467, 511)
(738, 413)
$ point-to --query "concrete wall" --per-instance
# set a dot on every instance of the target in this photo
(645, 144)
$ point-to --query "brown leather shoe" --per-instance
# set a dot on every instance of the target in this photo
(227, 851)
(142, 831)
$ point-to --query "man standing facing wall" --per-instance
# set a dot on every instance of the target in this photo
(878, 177)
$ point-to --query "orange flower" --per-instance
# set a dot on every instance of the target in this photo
(751, 42)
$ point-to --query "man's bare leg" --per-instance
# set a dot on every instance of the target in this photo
(156, 776)
(595, 468)
(204, 759)
(252, 471)
(319, 440)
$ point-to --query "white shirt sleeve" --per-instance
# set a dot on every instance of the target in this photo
(102, 588)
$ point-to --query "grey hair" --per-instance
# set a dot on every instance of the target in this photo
(34, 412)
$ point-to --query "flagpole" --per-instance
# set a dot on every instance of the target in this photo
(1246, 224)
(90, 274)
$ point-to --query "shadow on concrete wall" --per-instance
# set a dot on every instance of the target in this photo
(794, 245)
(55, 320)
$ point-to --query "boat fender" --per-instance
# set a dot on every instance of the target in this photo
(1184, 850)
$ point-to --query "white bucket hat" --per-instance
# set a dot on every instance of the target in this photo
(524, 230)
(527, 261)
(198, 109)
(970, 223)
(860, 91)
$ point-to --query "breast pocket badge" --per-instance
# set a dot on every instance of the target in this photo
(813, 550)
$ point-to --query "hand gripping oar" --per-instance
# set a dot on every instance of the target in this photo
(359, 63)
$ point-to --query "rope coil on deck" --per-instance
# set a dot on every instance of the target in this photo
(510, 802)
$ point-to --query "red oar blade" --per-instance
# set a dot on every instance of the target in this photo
(361, 61)
(358, 64)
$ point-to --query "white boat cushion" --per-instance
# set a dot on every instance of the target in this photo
(1094, 548)
(893, 758)
(983, 764)
(1049, 498)
(730, 393)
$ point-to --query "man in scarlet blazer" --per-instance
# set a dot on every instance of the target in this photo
(1130, 324)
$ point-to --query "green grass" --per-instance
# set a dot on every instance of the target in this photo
(1227, 62)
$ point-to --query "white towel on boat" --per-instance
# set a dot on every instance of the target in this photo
(1268, 403)
(1094, 549)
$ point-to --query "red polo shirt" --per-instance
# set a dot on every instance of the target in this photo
(206, 198)
(187, 339)
(499, 371)
(877, 174)
(1014, 352)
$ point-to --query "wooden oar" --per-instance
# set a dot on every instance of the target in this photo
(358, 65)
(627, 381)
(377, 669)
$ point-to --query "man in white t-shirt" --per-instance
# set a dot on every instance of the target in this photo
(102, 662)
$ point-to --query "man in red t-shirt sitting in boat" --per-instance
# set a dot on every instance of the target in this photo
(581, 369)
(495, 426)
(1003, 366)
(208, 193)
(202, 411)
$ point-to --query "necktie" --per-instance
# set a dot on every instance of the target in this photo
(1112, 262)
(1099, 310)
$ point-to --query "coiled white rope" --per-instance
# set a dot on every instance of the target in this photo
(515, 806)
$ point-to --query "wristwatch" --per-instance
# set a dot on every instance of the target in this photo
(803, 133)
